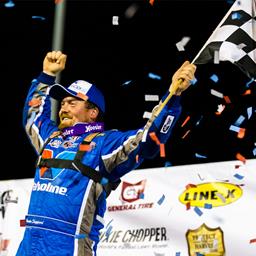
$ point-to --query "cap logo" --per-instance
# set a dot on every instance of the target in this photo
(80, 86)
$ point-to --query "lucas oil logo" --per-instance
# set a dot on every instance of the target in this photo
(214, 193)
(132, 192)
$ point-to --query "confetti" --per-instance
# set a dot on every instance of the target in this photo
(151, 2)
(80, 236)
(38, 17)
(241, 133)
(198, 211)
(223, 199)
(238, 176)
(234, 128)
(208, 206)
(200, 156)
(162, 150)
(186, 133)
(160, 201)
(240, 120)
(151, 97)
(249, 112)
(220, 109)
(216, 93)
(253, 240)
(190, 185)
(188, 206)
(154, 138)
(185, 121)
(214, 78)
(115, 20)
(216, 59)
(9, 4)
(137, 158)
(147, 114)
(167, 164)
(180, 45)
(141, 195)
(154, 76)
(240, 157)
(248, 83)
(236, 16)
(127, 82)
(227, 99)
(177, 254)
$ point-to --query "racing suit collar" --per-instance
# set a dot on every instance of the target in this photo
(81, 128)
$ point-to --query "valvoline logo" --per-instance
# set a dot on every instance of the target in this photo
(132, 192)
(214, 193)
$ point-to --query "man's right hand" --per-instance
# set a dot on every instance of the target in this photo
(54, 62)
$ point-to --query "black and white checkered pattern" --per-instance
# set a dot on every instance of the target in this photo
(234, 39)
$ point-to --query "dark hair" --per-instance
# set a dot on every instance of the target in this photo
(100, 117)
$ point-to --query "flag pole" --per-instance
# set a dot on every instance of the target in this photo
(172, 90)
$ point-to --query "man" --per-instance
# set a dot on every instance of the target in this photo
(79, 163)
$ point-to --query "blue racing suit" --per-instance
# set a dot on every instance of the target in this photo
(66, 209)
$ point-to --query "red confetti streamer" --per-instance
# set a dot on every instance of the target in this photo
(227, 99)
(162, 150)
(241, 133)
(188, 186)
(186, 120)
(253, 240)
(240, 157)
(154, 138)
(188, 206)
(247, 92)
(151, 2)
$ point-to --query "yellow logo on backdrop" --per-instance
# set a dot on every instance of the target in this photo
(206, 241)
(214, 193)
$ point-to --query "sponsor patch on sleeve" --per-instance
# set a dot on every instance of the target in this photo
(167, 124)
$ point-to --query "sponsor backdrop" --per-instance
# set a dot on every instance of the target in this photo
(205, 209)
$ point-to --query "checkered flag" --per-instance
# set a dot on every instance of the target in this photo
(234, 39)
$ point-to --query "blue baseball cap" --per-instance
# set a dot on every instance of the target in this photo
(80, 89)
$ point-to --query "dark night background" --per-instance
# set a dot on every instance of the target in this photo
(109, 55)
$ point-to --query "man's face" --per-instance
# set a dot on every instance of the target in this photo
(73, 110)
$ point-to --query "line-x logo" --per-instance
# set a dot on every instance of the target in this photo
(214, 193)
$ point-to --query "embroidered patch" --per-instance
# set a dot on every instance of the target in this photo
(167, 124)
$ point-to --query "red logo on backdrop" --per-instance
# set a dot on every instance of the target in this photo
(132, 192)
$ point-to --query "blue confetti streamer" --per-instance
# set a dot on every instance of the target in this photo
(141, 196)
(200, 156)
(177, 254)
(9, 4)
(207, 206)
(167, 163)
(236, 16)
(160, 201)
(238, 176)
(154, 76)
(80, 236)
(38, 17)
(198, 211)
(214, 78)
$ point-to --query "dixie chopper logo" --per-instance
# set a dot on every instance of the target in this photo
(132, 192)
